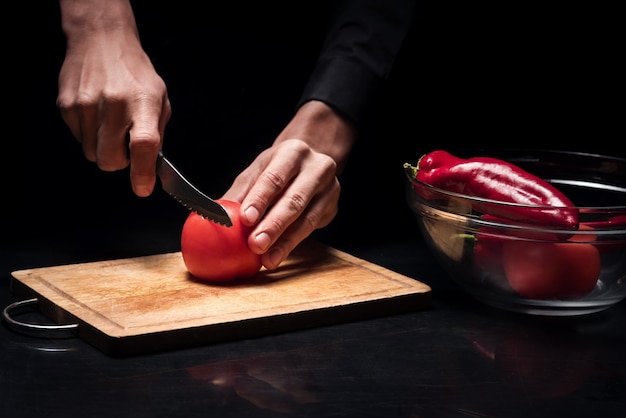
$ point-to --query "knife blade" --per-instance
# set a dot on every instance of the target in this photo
(177, 186)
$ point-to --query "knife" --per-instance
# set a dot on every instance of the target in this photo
(177, 186)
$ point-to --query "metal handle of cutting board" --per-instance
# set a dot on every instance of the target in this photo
(35, 330)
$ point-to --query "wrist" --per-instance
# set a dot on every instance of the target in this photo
(93, 16)
(324, 129)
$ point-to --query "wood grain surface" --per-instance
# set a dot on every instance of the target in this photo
(151, 303)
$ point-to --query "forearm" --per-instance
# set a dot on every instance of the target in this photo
(363, 41)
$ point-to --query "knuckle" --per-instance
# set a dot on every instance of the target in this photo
(327, 161)
(145, 140)
(327, 218)
(71, 101)
(261, 200)
(274, 180)
(112, 96)
(296, 203)
(278, 225)
(297, 146)
(319, 219)
(142, 97)
(63, 102)
(312, 219)
(85, 99)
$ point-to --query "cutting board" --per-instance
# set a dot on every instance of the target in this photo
(151, 303)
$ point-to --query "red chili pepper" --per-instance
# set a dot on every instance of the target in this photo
(608, 244)
(498, 180)
(619, 220)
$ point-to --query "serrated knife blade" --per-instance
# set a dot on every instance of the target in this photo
(177, 186)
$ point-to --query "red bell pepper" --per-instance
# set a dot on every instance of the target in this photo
(501, 181)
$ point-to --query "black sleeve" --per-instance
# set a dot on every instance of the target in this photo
(362, 42)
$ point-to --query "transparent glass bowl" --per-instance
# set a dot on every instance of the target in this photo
(528, 268)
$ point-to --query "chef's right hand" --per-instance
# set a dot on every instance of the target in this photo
(110, 95)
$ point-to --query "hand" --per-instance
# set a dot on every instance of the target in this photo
(110, 95)
(291, 188)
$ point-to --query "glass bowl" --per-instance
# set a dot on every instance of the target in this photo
(530, 268)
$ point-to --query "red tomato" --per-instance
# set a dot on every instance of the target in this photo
(545, 270)
(215, 252)
(490, 240)
(605, 245)
(488, 253)
(584, 237)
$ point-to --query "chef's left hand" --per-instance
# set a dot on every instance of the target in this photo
(291, 188)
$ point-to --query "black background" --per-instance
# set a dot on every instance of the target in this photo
(503, 74)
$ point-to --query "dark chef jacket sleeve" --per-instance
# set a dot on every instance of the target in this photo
(359, 51)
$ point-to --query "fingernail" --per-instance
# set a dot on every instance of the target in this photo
(143, 191)
(252, 215)
(263, 241)
(276, 256)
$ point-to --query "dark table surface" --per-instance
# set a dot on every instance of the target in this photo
(456, 358)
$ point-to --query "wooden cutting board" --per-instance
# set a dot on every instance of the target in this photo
(144, 304)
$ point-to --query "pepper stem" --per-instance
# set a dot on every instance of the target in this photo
(410, 168)
(413, 169)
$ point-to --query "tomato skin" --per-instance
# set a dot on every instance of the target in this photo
(217, 253)
(491, 239)
(604, 246)
(488, 254)
(547, 270)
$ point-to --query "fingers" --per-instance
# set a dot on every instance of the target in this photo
(318, 214)
(81, 117)
(116, 133)
(296, 193)
(106, 140)
(116, 108)
(113, 136)
(101, 127)
(146, 139)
